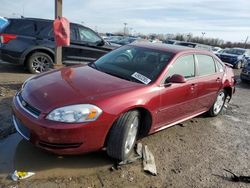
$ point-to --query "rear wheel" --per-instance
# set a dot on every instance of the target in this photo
(123, 135)
(218, 104)
(39, 62)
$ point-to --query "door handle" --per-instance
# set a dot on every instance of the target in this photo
(193, 86)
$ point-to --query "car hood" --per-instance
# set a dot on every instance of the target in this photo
(75, 85)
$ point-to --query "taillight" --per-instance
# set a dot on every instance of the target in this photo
(5, 38)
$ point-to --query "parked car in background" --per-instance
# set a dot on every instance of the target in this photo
(216, 49)
(220, 52)
(171, 41)
(114, 39)
(131, 92)
(235, 56)
(126, 40)
(194, 45)
(30, 42)
(245, 73)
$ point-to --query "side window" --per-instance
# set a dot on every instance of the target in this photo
(206, 65)
(184, 66)
(87, 35)
(43, 29)
(73, 33)
(22, 27)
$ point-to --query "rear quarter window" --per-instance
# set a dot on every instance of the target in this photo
(43, 28)
(219, 66)
(21, 27)
(205, 64)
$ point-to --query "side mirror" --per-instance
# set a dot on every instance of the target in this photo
(176, 78)
(101, 43)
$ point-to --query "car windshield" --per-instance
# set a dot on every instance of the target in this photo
(133, 63)
(235, 51)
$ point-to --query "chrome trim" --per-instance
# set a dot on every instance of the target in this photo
(18, 130)
(20, 104)
(182, 120)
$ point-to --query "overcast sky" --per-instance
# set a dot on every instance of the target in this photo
(225, 19)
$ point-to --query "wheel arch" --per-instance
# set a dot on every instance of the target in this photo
(40, 49)
(145, 121)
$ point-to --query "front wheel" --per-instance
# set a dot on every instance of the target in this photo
(39, 62)
(218, 104)
(123, 135)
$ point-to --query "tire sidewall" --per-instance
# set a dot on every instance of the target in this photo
(212, 112)
(34, 55)
(126, 132)
(119, 133)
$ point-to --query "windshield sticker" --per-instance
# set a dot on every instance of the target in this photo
(141, 78)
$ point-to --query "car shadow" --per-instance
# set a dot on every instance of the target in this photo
(10, 68)
(30, 158)
(6, 126)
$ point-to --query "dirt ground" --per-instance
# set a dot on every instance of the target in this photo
(193, 154)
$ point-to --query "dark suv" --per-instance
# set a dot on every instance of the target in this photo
(245, 73)
(235, 56)
(30, 42)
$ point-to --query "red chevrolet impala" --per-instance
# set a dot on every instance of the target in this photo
(131, 92)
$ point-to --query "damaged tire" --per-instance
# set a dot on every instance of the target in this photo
(218, 104)
(123, 135)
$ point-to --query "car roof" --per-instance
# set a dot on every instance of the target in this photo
(168, 47)
(41, 19)
(32, 19)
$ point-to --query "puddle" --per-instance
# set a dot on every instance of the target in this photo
(7, 153)
(16, 153)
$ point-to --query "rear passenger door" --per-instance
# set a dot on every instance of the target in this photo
(209, 78)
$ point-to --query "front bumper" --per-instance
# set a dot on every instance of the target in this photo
(61, 138)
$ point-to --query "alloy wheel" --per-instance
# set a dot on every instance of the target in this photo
(133, 129)
(218, 105)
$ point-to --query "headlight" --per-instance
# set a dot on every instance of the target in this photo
(75, 113)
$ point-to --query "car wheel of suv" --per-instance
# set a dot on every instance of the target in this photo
(39, 62)
(123, 135)
(218, 104)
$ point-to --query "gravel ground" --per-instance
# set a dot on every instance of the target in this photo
(192, 154)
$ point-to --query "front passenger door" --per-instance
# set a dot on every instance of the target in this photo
(178, 100)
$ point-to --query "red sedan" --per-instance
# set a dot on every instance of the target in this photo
(129, 93)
